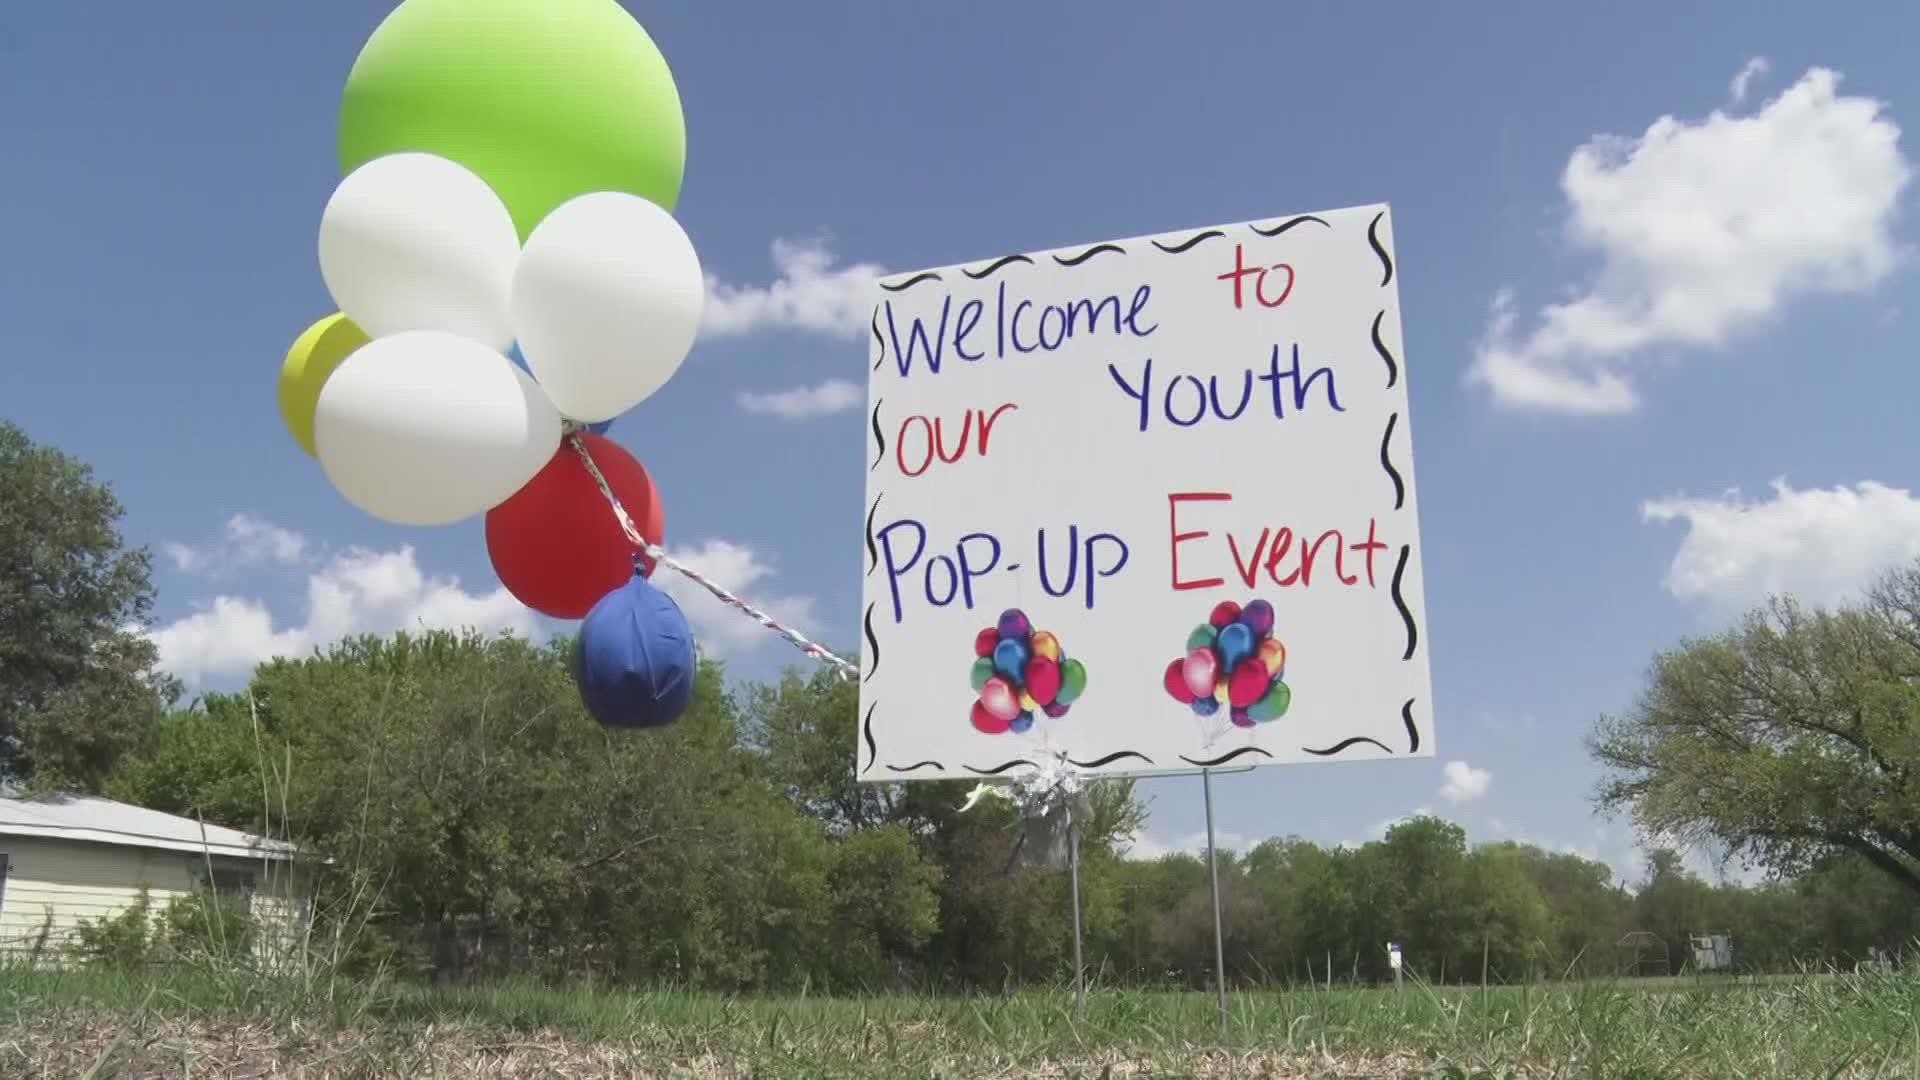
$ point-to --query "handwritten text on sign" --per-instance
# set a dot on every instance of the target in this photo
(1149, 503)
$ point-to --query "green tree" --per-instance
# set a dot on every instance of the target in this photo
(1789, 738)
(77, 679)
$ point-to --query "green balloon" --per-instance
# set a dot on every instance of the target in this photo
(982, 671)
(1073, 682)
(1274, 705)
(1202, 637)
(543, 99)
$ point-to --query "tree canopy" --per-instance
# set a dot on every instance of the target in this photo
(1789, 738)
(77, 680)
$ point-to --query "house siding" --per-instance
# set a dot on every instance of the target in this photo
(53, 885)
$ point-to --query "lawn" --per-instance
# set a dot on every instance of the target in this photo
(192, 1023)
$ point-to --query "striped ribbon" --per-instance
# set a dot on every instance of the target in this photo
(653, 551)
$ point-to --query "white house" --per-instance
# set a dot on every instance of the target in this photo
(65, 858)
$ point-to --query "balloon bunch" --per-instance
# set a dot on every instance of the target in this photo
(510, 277)
(1019, 671)
(1233, 660)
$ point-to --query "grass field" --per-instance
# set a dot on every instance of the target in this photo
(200, 1024)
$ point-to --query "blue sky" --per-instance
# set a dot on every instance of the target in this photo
(1650, 255)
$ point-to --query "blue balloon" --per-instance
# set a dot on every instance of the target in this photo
(1205, 706)
(1010, 659)
(520, 361)
(1021, 724)
(1236, 642)
(635, 661)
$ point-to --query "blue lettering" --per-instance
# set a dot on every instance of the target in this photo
(917, 335)
(1184, 400)
(896, 569)
(1083, 553)
(970, 313)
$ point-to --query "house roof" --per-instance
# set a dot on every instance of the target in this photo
(88, 819)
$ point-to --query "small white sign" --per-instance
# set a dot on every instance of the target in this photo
(1149, 504)
(1393, 957)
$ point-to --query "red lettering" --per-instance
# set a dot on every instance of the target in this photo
(933, 433)
(900, 445)
(1238, 275)
(1281, 544)
(960, 444)
(1178, 537)
(986, 424)
(1372, 546)
(1260, 286)
(1249, 568)
(1288, 558)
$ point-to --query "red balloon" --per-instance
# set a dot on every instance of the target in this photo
(1176, 681)
(1248, 683)
(1043, 679)
(556, 544)
(1224, 612)
(985, 640)
(987, 722)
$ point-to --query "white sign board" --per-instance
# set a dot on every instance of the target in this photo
(1147, 503)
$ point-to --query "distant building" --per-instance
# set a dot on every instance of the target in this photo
(65, 858)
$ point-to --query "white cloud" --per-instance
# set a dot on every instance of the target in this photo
(721, 630)
(1742, 82)
(1146, 847)
(246, 541)
(1464, 783)
(354, 592)
(1705, 230)
(805, 402)
(1378, 830)
(810, 294)
(1823, 545)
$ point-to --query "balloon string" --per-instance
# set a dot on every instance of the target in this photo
(659, 555)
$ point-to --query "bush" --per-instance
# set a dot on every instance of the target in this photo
(122, 942)
(196, 928)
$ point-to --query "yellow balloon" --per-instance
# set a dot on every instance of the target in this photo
(1027, 702)
(1045, 644)
(1274, 655)
(1220, 694)
(309, 363)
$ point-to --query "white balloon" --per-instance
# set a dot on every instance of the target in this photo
(606, 303)
(417, 242)
(429, 428)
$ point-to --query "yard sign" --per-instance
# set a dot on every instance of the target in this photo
(1149, 504)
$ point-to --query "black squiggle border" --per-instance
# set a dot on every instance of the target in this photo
(1089, 253)
(903, 286)
(915, 767)
(873, 549)
(1386, 462)
(996, 266)
(1379, 346)
(866, 729)
(1400, 602)
(879, 437)
(1373, 241)
(1288, 224)
(1224, 758)
(1190, 242)
(880, 357)
(1117, 755)
(873, 640)
(1344, 745)
(1005, 766)
(1413, 730)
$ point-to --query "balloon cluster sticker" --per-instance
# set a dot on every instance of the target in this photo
(1019, 673)
(1233, 662)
